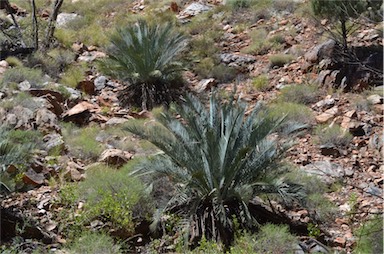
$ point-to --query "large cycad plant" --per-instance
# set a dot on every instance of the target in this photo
(143, 55)
(219, 160)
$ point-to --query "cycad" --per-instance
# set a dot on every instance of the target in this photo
(144, 56)
(219, 160)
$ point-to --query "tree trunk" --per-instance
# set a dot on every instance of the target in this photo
(343, 22)
(52, 23)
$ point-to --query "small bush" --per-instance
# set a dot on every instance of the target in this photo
(73, 75)
(20, 74)
(223, 73)
(271, 239)
(240, 4)
(324, 209)
(94, 243)
(332, 135)
(296, 115)
(280, 60)
(370, 237)
(303, 94)
(260, 83)
(259, 45)
(113, 196)
(82, 141)
(14, 61)
(22, 99)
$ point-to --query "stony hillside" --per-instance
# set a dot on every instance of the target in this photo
(72, 153)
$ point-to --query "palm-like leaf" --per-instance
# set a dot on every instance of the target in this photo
(144, 56)
(220, 158)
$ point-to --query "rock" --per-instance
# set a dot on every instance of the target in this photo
(313, 246)
(237, 60)
(340, 241)
(328, 172)
(79, 47)
(43, 92)
(20, 117)
(24, 86)
(80, 113)
(375, 99)
(326, 103)
(205, 84)
(74, 175)
(32, 178)
(357, 128)
(74, 94)
(329, 150)
(63, 19)
(45, 119)
(91, 56)
(53, 142)
(319, 52)
(100, 82)
(328, 115)
(115, 157)
(193, 9)
(86, 86)
(4, 64)
(116, 121)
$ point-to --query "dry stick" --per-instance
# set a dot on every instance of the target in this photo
(10, 11)
(52, 21)
(35, 26)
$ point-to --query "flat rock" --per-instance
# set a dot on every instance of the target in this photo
(63, 19)
(375, 99)
(205, 84)
(116, 121)
(319, 52)
(327, 115)
(53, 141)
(115, 157)
(327, 172)
(193, 9)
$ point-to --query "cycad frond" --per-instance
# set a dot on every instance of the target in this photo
(219, 158)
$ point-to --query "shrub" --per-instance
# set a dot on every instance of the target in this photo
(114, 196)
(259, 45)
(332, 135)
(21, 99)
(280, 60)
(14, 61)
(370, 236)
(218, 160)
(270, 239)
(324, 210)
(239, 4)
(94, 243)
(20, 74)
(260, 83)
(73, 75)
(302, 94)
(144, 55)
(297, 116)
(82, 141)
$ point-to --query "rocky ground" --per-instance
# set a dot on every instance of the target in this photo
(357, 168)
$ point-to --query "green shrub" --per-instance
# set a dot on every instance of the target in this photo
(94, 243)
(303, 94)
(332, 135)
(144, 55)
(259, 45)
(73, 75)
(82, 141)
(217, 158)
(324, 210)
(223, 73)
(280, 60)
(271, 239)
(21, 99)
(14, 61)
(260, 83)
(296, 115)
(20, 74)
(370, 236)
(239, 4)
(114, 196)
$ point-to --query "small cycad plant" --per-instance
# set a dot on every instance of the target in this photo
(218, 160)
(144, 56)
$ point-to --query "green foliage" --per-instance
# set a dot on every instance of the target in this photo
(219, 160)
(94, 243)
(313, 230)
(82, 141)
(15, 149)
(280, 60)
(332, 135)
(259, 45)
(14, 61)
(73, 75)
(324, 210)
(260, 83)
(271, 239)
(296, 115)
(239, 4)
(302, 94)
(112, 195)
(370, 236)
(21, 99)
(19, 74)
(338, 9)
(144, 55)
